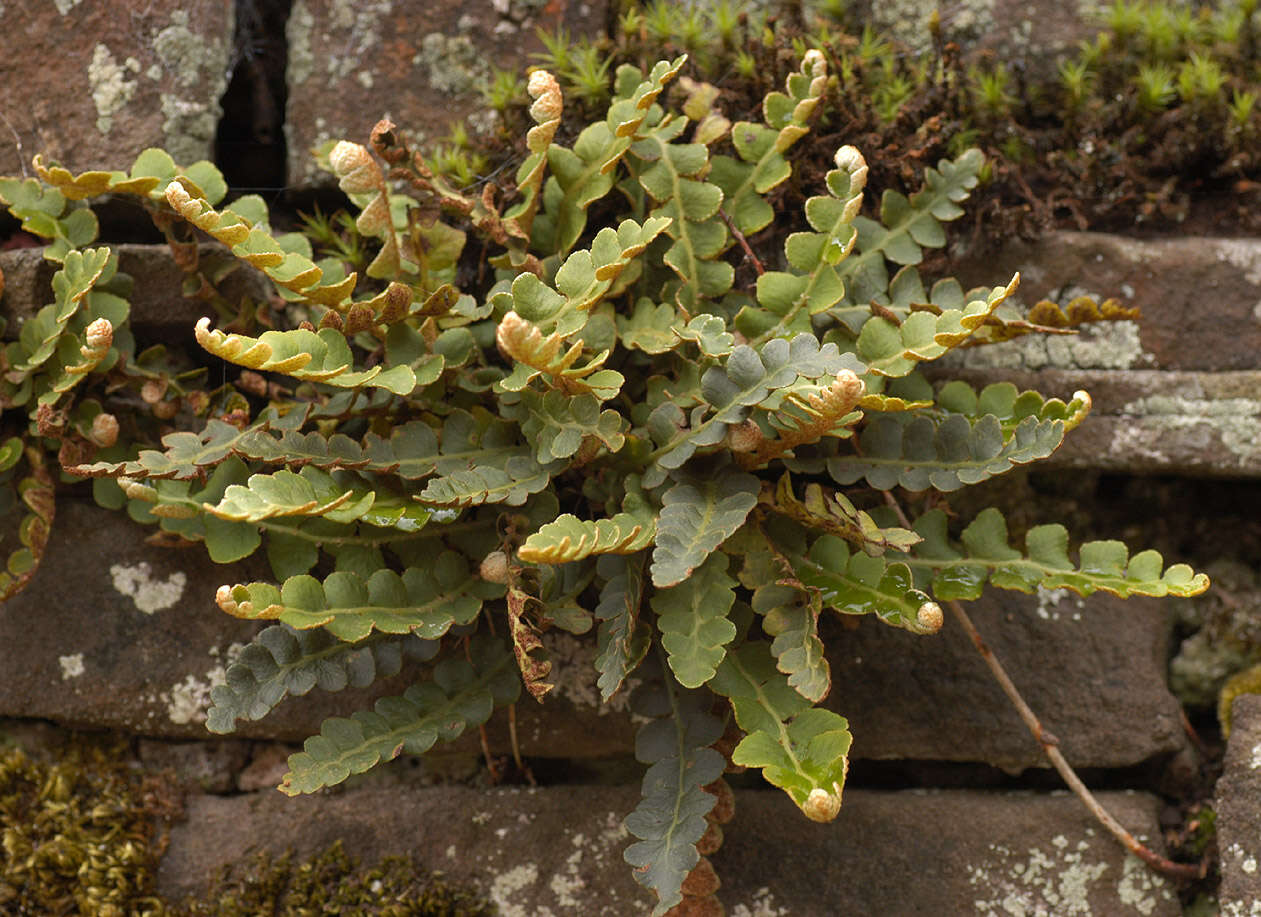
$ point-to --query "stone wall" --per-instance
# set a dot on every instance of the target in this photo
(947, 811)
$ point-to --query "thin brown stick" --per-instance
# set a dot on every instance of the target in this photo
(516, 746)
(1050, 746)
(744, 243)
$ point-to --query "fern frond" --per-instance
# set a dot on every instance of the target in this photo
(623, 638)
(985, 555)
(857, 583)
(512, 484)
(461, 695)
(692, 618)
(36, 492)
(425, 602)
(906, 227)
(787, 300)
(582, 281)
(790, 614)
(288, 269)
(546, 111)
(832, 512)
(746, 379)
(569, 538)
(535, 354)
(322, 356)
(670, 817)
(559, 425)
(761, 147)
(1011, 406)
(801, 749)
(893, 349)
(697, 515)
(40, 335)
(917, 452)
(586, 173)
(358, 174)
(281, 661)
(672, 174)
(150, 174)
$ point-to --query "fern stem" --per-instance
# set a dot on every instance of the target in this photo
(744, 243)
(1050, 745)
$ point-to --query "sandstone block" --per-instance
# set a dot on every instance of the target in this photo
(1239, 812)
(93, 84)
(420, 65)
(558, 850)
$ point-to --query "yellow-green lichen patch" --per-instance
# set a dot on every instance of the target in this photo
(1236, 421)
(111, 88)
(193, 74)
(78, 835)
(334, 883)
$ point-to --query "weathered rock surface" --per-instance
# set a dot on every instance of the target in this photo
(1092, 669)
(1200, 300)
(113, 633)
(1239, 812)
(93, 84)
(421, 65)
(558, 850)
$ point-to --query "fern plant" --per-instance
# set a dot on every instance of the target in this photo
(647, 413)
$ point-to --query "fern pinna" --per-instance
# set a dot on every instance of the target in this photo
(654, 415)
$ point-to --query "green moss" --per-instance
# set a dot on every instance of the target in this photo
(78, 837)
(333, 882)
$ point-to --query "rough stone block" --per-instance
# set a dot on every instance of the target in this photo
(558, 850)
(1239, 812)
(112, 633)
(421, 65)
(93, 84)
(1200, 300)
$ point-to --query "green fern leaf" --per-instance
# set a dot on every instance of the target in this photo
(1011, 406)
(425, 602)
(986, 555)
(709, 333)
(789, 299)
(696, 517)
(558, 425)
(586, 173)
(791, 616)
(892, 349)
(461, 695)
(322, 356)
(290, 270)
(671, 174)
(281, 661)
(512, 484)
(623, 638)
(40, 335)
(803, 750)
(746, 379)
(762, 147)
(670, 817)
(858, 584)
(834, 513)
(916, 452)
(692, 618)
(581, 282)
(537, 355)
(569, 538)
(908, 227)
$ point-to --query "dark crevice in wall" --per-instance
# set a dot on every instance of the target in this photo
(250, 141)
